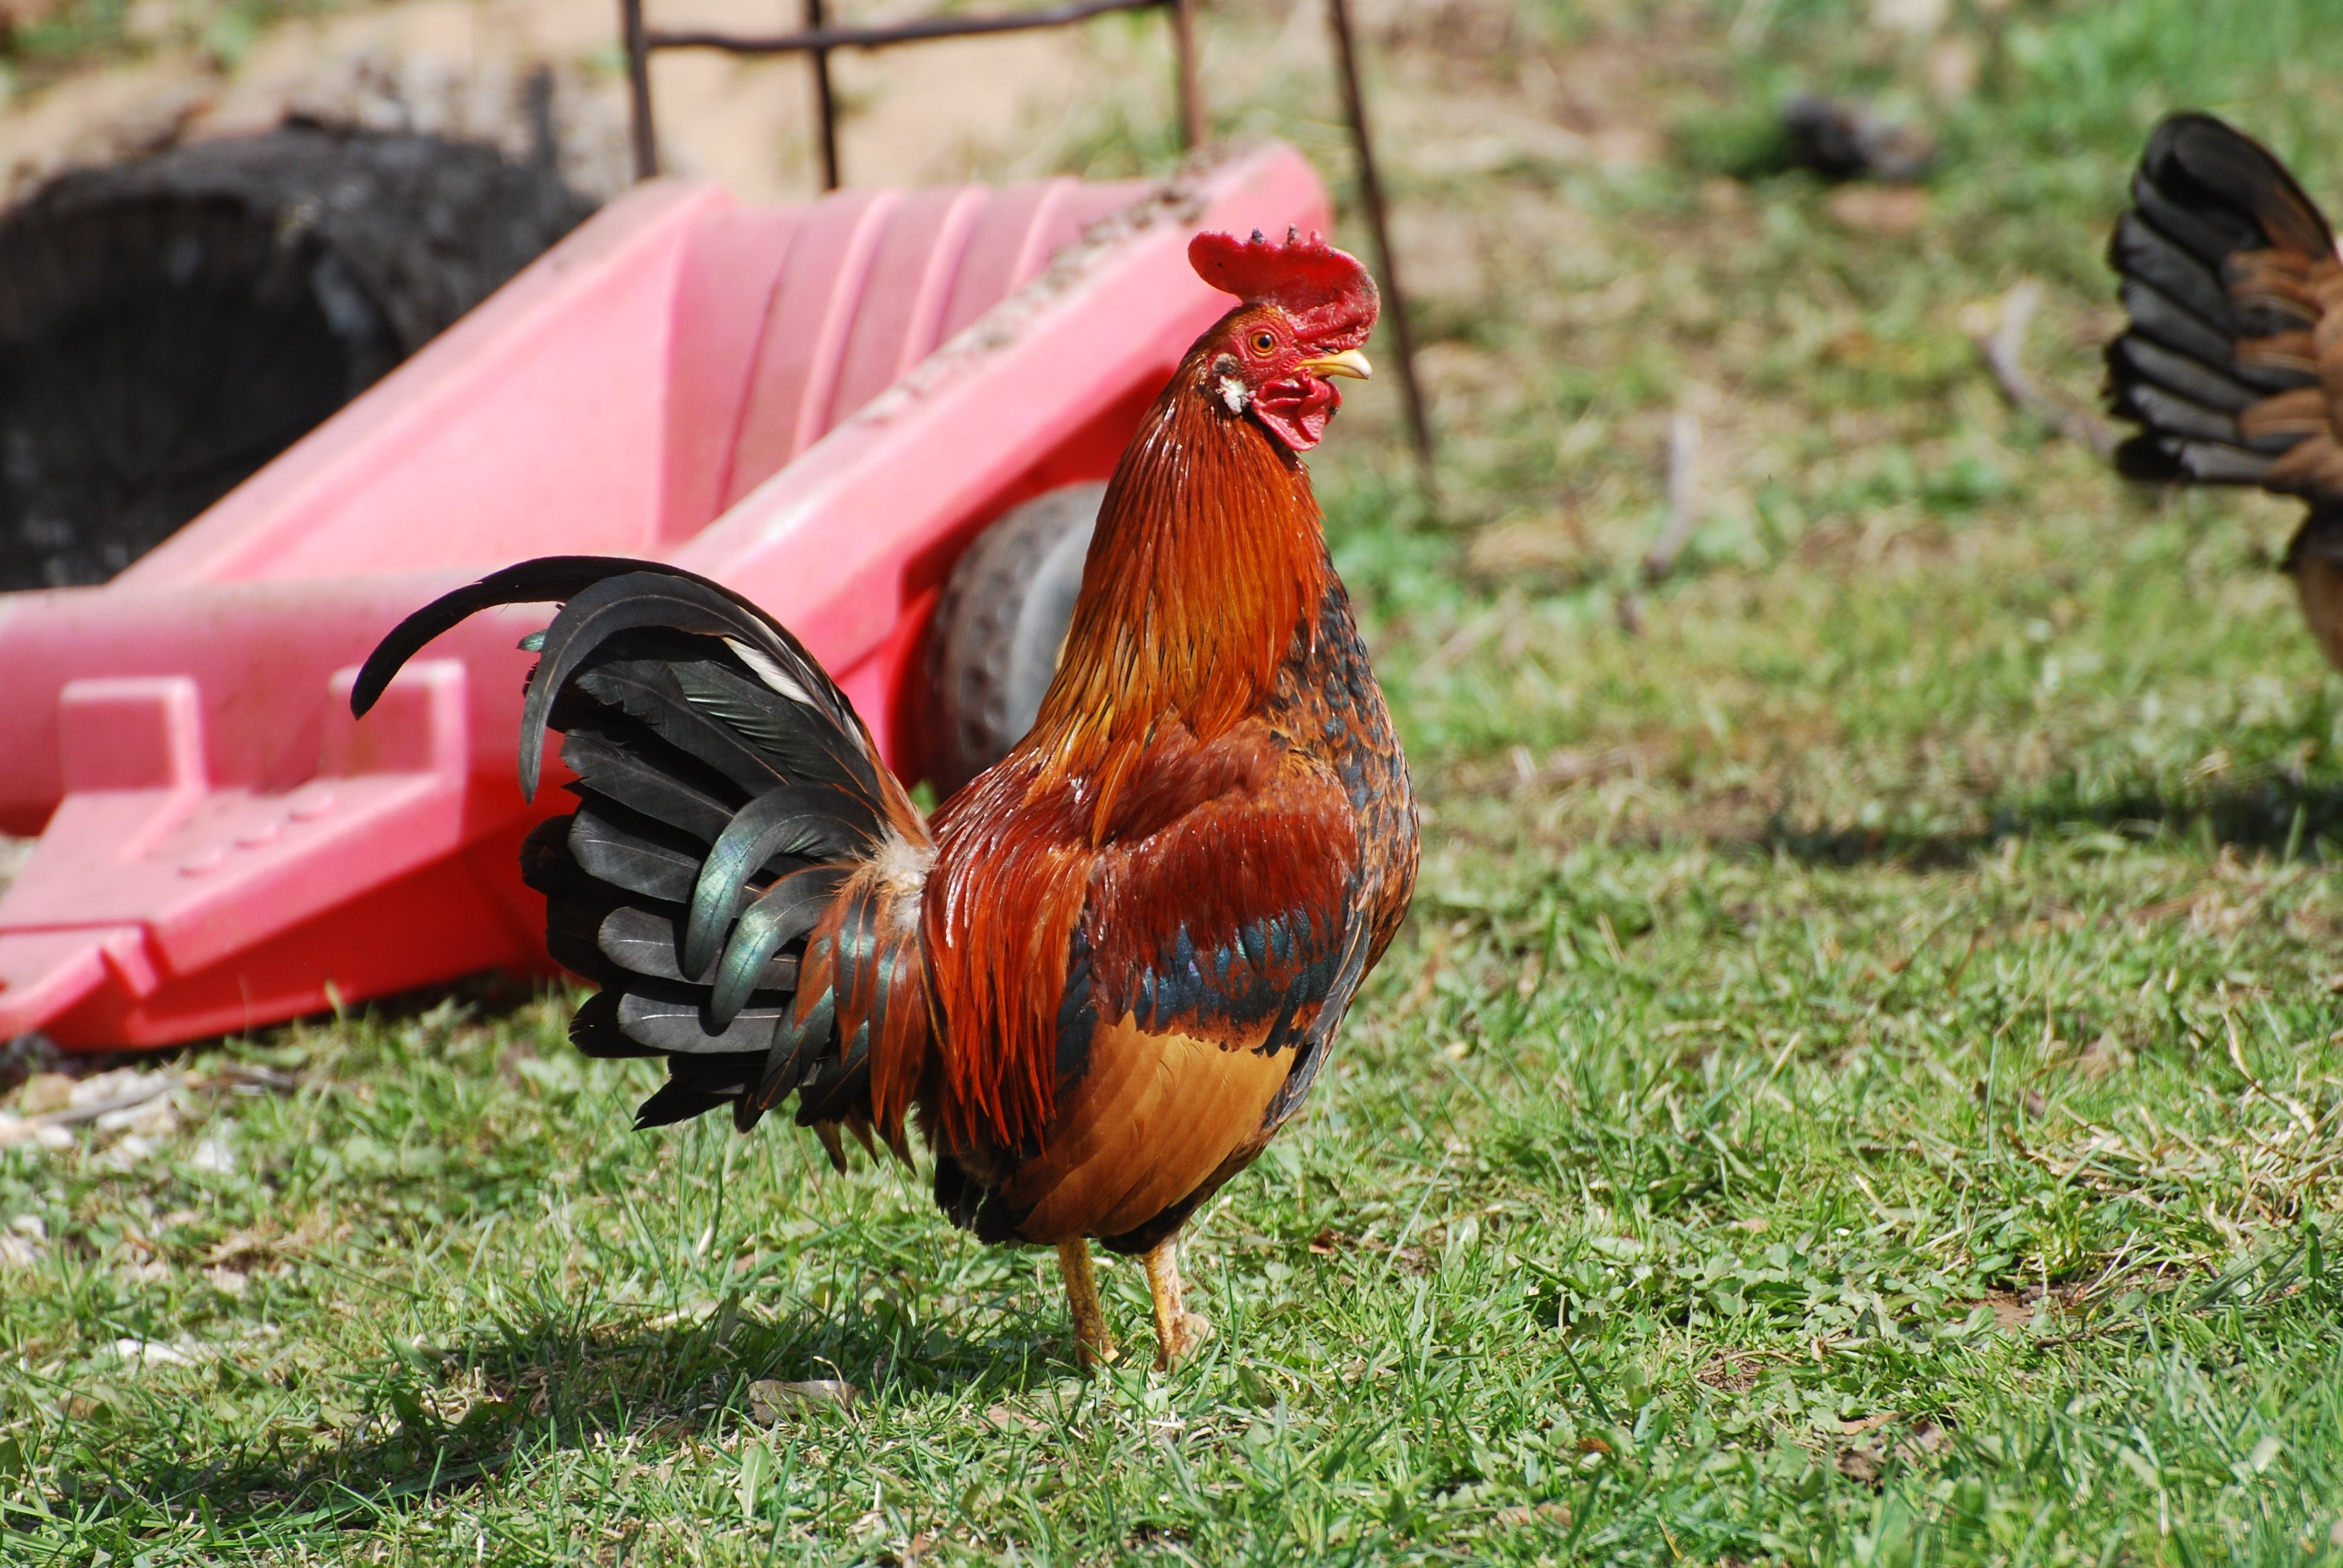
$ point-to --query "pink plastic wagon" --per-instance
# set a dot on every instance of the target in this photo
(819, 405)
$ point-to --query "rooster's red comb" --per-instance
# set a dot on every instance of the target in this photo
(1330, 297)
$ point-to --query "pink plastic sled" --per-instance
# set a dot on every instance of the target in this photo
(818, 404)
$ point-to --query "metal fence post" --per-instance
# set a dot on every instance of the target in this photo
(1371, 190)
(1192, 93)
(827, 104)
(639, 87)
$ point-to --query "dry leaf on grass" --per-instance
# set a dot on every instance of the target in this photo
(43, 1093)
(1005, 1418)
(144, 1353)
(770, 1399)
(1927, 1437)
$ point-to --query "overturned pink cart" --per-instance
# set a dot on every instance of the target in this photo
(819, 405)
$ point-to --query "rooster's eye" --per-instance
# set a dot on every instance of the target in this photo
(1262, 342)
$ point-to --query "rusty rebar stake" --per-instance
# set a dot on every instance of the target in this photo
(1371, 190)
(823, 99)
(1192, 93)
(639, 87)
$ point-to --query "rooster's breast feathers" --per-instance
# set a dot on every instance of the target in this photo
(1207, 930)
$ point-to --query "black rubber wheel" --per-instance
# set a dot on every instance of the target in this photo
(169, 324)
(998, 628)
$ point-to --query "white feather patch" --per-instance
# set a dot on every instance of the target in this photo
(902, 870)
(771, 674)
(1233, 394)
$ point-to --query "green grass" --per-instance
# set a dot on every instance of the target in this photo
(1862, 1084)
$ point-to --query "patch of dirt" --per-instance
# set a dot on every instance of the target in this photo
(1879, 210)
(437, 67)
(464, 68)
(1730, 1373)
(1862, 1466)
(1867, 1460)
(2012, 1310)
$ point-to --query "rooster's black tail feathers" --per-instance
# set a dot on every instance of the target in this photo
(728, 795)
(2226, 268)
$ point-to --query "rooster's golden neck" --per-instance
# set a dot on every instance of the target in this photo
(1210, 552)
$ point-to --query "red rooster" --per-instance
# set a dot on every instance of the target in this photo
(1106, 971)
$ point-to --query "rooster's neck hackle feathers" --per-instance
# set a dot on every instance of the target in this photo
(1209, 555)
(1209, 559)
(1206, 573)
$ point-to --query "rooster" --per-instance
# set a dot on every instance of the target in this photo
(2232, 362)
(1105, 973)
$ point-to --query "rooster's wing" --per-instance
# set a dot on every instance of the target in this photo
(1218, 933)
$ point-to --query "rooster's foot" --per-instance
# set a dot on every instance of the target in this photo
(1178, 1331)
(1092, 1346)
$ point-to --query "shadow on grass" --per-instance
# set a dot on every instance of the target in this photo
(488, 997)
(438, 1421)
(2269, 814)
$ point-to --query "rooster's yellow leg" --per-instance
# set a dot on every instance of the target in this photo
(1090, 1341)
(1178, 1331)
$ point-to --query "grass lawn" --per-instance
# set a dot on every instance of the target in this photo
(1864, 1081)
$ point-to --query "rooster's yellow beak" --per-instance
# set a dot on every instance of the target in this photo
(1349, 361)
